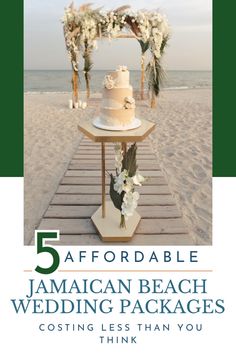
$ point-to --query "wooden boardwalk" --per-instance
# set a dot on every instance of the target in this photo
(79, 195)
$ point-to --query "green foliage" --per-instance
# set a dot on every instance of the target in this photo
(88, 64)
(163, 44)
(144, 46)
(116, 198)
(129, 162)
(155, 75)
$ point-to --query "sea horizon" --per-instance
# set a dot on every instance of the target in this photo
(59, 80)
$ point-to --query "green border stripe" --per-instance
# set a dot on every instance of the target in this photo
(224, 89)
(11, 60)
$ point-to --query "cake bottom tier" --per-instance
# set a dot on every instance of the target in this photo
(114, 117)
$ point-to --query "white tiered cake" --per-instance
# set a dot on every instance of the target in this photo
(118, 104)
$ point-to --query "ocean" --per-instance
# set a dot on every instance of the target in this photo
(60, 80)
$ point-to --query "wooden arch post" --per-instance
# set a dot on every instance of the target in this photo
(75, 88)
(142, 76)
(153, 100)
(75, 75)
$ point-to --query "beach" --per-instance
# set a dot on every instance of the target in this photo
(181, 141)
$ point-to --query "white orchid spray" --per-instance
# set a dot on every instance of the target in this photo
(118, 158)
(122, 185)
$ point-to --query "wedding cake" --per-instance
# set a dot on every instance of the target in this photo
(118, 105)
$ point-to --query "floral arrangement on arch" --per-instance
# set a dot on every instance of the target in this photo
(122, 185)
(83, 26)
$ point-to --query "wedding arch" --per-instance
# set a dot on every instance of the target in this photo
(83, 26)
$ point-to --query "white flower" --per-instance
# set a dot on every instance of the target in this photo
(128, 185)
(108, 82)
(122, 68)
(119, 181)
(129, 204)
(136, 196)
(155, 30)
(129, 102)
(138, 179)
(118, 164)
(118, 158)
(164, 28)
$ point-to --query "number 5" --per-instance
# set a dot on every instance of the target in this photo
(41, 236)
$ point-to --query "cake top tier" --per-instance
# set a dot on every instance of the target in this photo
(117, 79)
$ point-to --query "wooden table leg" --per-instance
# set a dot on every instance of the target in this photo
(103, 180)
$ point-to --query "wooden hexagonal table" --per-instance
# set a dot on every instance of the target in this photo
(106, 220)
(109, 226)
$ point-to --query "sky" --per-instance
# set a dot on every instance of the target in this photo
(190, 46)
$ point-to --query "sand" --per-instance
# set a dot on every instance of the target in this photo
(181, 141)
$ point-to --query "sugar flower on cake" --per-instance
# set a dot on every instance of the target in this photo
(108, 82)
(122, 68)
(129, 102)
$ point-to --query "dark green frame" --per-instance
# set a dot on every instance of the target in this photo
(11, 108)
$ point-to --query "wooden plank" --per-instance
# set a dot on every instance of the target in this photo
(74, 189)
(97, 173)
(159, 180)
(162, 226)
(70, 199)
(159, 211)
(84, 156)
(85, 226)
(110, 162)
(71, 226)
(109, 152)
(87, 165)
(110, 144)
(72, 211)
(109, 148)
(139, 240)
(79, 195)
